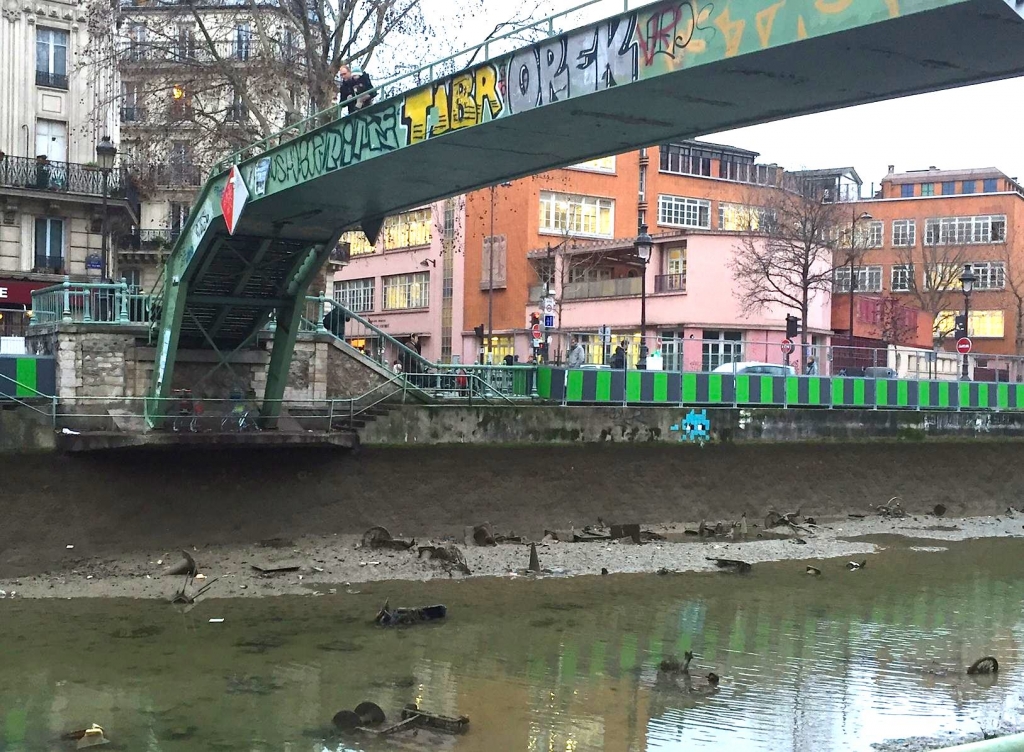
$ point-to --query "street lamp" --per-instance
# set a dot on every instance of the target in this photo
(490, 284)
(967, 280)
(644, 246)
(864, 217)
(106, 152)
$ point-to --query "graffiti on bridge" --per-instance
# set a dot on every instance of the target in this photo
(695, 427)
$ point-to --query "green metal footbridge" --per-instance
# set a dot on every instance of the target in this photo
(270, 215)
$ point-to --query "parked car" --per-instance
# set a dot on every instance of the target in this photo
(752, 367)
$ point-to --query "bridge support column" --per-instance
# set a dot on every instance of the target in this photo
(289, 319)
(157, 406)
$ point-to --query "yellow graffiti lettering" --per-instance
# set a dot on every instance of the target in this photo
(764, 21)
(894, 8)
(443, 110)
(486, 90)
(464, 112)
(733, 31)
(415, 112)
(696, 45)
(801, 28)
(836, 6)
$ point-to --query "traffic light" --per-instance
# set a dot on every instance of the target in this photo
(792, 326)
(479, 331)
(960, 326)
(534, 319)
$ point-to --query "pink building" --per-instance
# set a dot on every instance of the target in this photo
(409, 284)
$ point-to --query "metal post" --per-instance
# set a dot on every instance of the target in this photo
(122, 315)
(66, 313)
(320, 307)
(490, 288)
(642, 365)
(103, 240)
(965, 371)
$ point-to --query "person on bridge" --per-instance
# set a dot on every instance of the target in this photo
(353, 83)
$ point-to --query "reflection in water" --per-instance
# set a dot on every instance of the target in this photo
(829, 663)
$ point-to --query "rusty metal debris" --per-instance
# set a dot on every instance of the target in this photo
(450, 557)
(394, 617)
(93, 736)
(369, 718)
(730, 565)
(891, 508)
(379, 537)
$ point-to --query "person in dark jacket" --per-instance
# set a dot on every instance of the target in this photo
(353, 83)
(619, 358)
(334, 322)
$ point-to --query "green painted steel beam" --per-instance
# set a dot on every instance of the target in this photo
(242, 282)
(1013, 743)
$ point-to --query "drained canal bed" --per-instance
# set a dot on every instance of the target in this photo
(836, 662)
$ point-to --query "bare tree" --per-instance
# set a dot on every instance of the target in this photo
(897, 322)
(787, 255)
(932, 276)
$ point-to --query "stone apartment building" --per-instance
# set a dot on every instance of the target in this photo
(54, 110)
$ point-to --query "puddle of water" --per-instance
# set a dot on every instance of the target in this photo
(807, 664)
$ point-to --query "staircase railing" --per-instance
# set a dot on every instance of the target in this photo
(112, 303)
(9, 387)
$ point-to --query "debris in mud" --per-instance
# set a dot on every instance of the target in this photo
(891, 508)
(388, 617)
(855, 565)
(379, 537)
(939, 510)
(731, 565)
(368, 717)
(90, 737)
(534, 565)
(631, 531)
(986, 665)
(813, 571)
(856, 516)
(798, 541)
(187, 566)
(450, 557)
(275, 569)
(793, 520)
(480, 535)
(276, 543)
(604, 570)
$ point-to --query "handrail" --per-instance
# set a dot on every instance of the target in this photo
(90, 302)
(317, 119)
(12, 398)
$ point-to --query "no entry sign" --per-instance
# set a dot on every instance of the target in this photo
(787, 346)
(963, 345)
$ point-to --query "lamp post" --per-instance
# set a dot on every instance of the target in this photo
(853, 253)
(490, 284)
(106, 152)
(643, 245)
(967, 280)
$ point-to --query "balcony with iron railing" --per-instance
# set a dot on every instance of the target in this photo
(194, 51)
(603, 288)
(51, 80)
(40, 174)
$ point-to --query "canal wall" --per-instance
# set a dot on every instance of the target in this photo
(25, 428)
(548, 424)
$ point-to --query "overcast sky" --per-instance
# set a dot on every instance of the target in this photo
(954, 129)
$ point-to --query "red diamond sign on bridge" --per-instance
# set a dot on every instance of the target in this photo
(233, 199)
(963, 345)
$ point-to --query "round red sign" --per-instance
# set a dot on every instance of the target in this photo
(536, 331)
(787, 346)
(963, 345)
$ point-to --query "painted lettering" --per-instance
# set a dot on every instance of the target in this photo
(455, 102)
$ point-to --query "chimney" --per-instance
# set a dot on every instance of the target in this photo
(892, 169)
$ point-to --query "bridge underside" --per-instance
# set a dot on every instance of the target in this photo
(318, 185)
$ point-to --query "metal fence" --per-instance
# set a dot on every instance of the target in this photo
(115, 303)
(61, 177)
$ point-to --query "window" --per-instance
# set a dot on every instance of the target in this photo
(737, 217)
(130, 110)
(358, 245)
(907, 190)
(904, 232)
(137, 42)
(408, 230)
(49, 245)
(677, 211)
(902, 277)
(576, 215)
(674, 279)
(868, 279)
(991, 275)
(243, 38)
(969, 186)
(403, 291)
(177, 218)
(184, 43)
(990, 185)
(948, 187)
(180, 163)
(601, 164)
(589, 274)
(681, 160)
(942, 276)
(237, 111)
(51, 58)
(965, 230)
(720, 347)
(181, 102)
(355, 294)
(876, 231)
(927, 189)
(979, 323)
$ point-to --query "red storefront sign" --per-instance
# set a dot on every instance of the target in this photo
(17, 293)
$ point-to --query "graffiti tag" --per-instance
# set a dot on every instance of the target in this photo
(695, 427)
(452, 103)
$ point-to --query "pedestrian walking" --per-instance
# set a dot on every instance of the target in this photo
(577, 355)
(619, 357)
(812, 366)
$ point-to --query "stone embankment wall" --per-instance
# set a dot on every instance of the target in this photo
(424, 425)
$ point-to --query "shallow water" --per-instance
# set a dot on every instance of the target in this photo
(830, 663)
